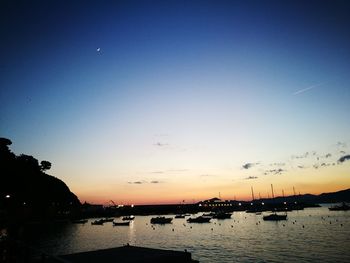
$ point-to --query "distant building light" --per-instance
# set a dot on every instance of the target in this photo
(239, 204)
(24, 203)
(7, 196)
(262, 203)
(200, 205)
(251, 203)
(285, 203)
(132, 206)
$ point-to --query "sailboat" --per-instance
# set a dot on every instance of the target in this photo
(274, 216)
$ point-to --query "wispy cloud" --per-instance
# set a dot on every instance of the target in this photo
(136, 182)
(145, 182)
(308, 88)
(155, 182)
(277, 164)
(251, 178)
(274, 171)
(160, 144)
(305, 155)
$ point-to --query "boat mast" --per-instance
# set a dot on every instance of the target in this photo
(273, 196)
(252, 193)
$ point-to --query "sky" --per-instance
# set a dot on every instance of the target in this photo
(144, 102)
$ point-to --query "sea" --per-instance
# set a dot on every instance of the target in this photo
(309, 235)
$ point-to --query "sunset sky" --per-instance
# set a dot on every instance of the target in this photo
(164, 101)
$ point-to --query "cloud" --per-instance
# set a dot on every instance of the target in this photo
(249, 165)
(157, 172)
(251, 177)
(306, 89)
(344, 158)
(274, 171)
(145, 182)
(155, 182)
(136, 182)
(277, 164)
(160, 144)
(305, 155)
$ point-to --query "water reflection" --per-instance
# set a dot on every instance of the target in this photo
(310, 235)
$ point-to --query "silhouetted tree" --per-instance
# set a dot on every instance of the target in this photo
(45, 165)
(5, 142)
(28, 162)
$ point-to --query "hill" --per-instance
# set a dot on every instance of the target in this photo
(27, 190)
(339, 196)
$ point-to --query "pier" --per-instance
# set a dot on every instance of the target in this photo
(125, 254)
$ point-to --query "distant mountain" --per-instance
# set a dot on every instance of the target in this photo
(26, 189)
(340, 196)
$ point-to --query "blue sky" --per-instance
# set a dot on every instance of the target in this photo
(197, 87)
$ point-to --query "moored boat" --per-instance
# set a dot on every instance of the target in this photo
(211, 214)
(97, 222)
(161, 220)
(342, 207)
(180, 216)
(129, 218)
(222, 215)
(275, 217)
(199, 219)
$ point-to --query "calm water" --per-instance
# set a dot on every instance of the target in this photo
(239, 239)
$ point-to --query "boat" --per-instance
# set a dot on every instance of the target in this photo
(161, 220)
(275, 217)
(97, 222)
(127, 223)
(211, 214)
(79, 221)
(222, 215)
(180, 216)
(129, 218)
(199, 219)
(342, 207)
